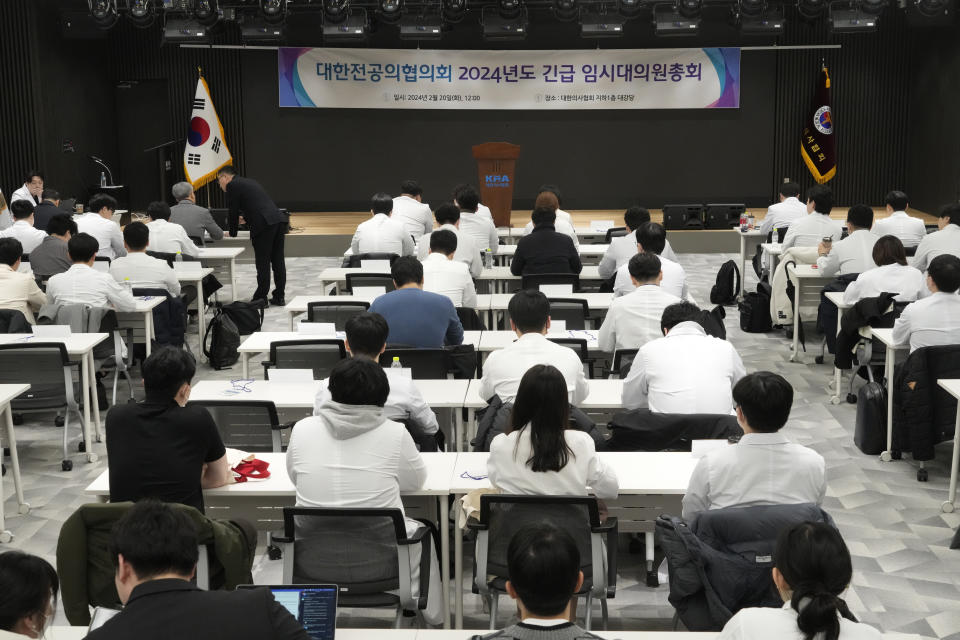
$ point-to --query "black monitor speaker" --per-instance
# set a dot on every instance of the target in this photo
(724, 216)
(682, 216)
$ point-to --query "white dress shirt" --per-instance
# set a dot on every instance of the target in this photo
(145, 272)
(560, 226)
(19, 291)
(756, 623)
(466, 252)
(810, 230)
(674, 279)
(169, 237)
(634, 319)
(484, 211)
(416, 217)
(81, 284)
(946, 240)
(763, 468)
(23, 193)
(907, 282)
(382, 234)
(910, 230)
(620, 251)
(503, 368)
(481, 229)
(686, 371)
(509, 471)
(403, 403)
(29, 236)
(782, 214)
(930, 322)
(853, 254)
(449, 278)
(106, 231)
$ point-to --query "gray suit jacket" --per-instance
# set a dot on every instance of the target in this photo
(194, 219)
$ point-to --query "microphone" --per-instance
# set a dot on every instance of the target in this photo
(95, 158)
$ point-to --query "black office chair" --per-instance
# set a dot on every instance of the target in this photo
(320, 355)
(197, 240)
(911, 251)
(573, 311)
(337, 313)
(424, 364)
(781, 234)
(470, 319)
(384, 280)
(579, 345)
(622, 361)
(614, 232)
(355, 260)
(248, 425)
(532, 281)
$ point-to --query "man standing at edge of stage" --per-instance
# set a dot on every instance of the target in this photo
(250, 204)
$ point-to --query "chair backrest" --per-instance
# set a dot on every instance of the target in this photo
(470, 319)
(781, 233)
(197, 240)
(248, 425)
(336, 312)
(911, 251)
(534, 280)
(45, 366)
(614, 232)
(13, 321)
(319, 354)
(425, 364)
(356, 259)
(622, 361)
(579, 345)
(384, 280)
(171, 258)
(573, 311)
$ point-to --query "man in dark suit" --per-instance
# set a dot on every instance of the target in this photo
(545, 250)
(250, 204)
(47, 209)
(155, 550)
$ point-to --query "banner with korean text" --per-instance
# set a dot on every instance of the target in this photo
(706, 78)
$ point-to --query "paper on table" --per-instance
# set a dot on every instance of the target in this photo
(290, 375)
(51, 330)
(556, 289)
(601, 225)
(318, 328)
(376, 266)
(557, 326)
(190, 269)
(236, 456)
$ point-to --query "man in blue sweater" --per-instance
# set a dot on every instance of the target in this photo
(417, 318)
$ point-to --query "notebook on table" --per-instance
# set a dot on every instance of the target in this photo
(313, 605)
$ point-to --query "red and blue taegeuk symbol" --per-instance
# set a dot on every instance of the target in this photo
(199, 132)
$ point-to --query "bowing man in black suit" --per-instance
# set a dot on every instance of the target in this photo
(249, 203)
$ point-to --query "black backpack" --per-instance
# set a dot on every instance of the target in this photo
(755, 310)
(246, 316)
(712, 322)
(728, 284)
(222, 341)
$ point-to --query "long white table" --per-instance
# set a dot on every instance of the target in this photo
(953, 388)
(886, 337)
(7, 393)
(143, 314)
(500, 302)
(808, 282)
(836, 297)
(503, 279)
(227, 257)
(748, 242)
(505, 252)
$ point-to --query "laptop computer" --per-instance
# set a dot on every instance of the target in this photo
(313, 605)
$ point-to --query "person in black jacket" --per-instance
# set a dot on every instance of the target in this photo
(155, 551)
(47, 209)
(250, 204)
(545, 250)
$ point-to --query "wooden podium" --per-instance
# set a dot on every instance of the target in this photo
(496, 170)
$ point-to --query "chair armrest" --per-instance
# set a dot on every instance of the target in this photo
(476, 525)
(416, 538)
(281, 427)
(279, 539)
(607, 527)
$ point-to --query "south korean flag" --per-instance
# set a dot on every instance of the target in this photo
(206, 151)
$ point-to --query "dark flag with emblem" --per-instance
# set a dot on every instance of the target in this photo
(818, 144)
(206, 151)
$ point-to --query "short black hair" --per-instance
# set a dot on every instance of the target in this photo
(944, 270)
(951, 211)
(136, 235)
(447, 213)
(644, 266)
(367, 333)
(59, 224)
(467, 198)
(82, 247)
(33, 173)
(678, 312)
(10, 251)
(228, 170)
(27, 583)
(166, 370)
(635, 216)
(543, 215)
(158, 210)
(765, 399)
(381, 203)
(358, 381)
(406, 270)
(860, 216)
(21, 209)
(822, 198)
(652, 237)
(551, 188)
(443, 241)
(790, 189)
(411, 187)
(155, 538)
(529, 310)
(50, 194)
(100, 201)
(897, 199)
(543, 565)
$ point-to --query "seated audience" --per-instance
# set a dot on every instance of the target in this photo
(623, 248)
(909, 230)
(934, 320)
(473, 221)
(539, 455)
(160, 447)
(853, 254)
(548, 200)
(892, 274)
(28, 595)
(946, 240)
(652, 238)
(482, 209)
(82, 284)
(448, 217)
(417, 318)
(764, 467)
(634, 319)
(155, 555)
(381, 233)
(788, 210)
(165, 236)
(553, 191)
(444, 275)
(810, 230)
(139, 269)
(812, 569)
(23, 229)
(686, 371)
(51, 257)
(47, 209)
(18, 291)
(188, 214)
(349, 455)
(98, 222)
(32, 188)
(410, 210)
(545, 250)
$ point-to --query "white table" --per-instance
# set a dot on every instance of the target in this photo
(886, 337)
(748, 241)
(774, 250)
(79, 633)
(807, 281)
(7, 393)
(502, 278)
(836, 297)
(500, 302)
(226, 256)
(494, 340)
(505, 252)
(953, 388)
(143, 314)
(299, 304)
(196, 279)
(338, 275)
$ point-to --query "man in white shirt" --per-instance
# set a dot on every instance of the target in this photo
(18, 291)
(98, 222)
(946, 240)
(448, 217)
(32, 189)
(477, 226)
(549, 198)
(410, 211)
(82, 284)
(783, 213)
(530, 319)
(910, 230)
(23, 229)
(853, 254)
(381, 233)
(166, 236)
(934, 320)
(139, 269)
(652, 238)
(482, 209)
(446, 276)
(634, 319)
(764, 468)
(686, 371)
(623, 248)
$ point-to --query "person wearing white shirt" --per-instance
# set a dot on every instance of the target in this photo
(166, 236)
(18, 291)
(764, 468)
(812, 569)
(381, 233)
(446, 276)
(448, 217)
(892, 274)
(477, 226)
(502, 370)
(652, 238)
(139, 269)
(935, 320)
(946, 240)
(908, 229)
(6, 218)
(410, 211)
(98, 222)
(82, 284)
(634, 319)
(23, 230)
(349, 455)
(482, 209)
(32, 189)
(781, 214)
(623, 248)
(853, 254)
(686, 371)
(563, 223)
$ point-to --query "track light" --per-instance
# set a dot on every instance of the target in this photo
(873, 7)
(207, 12)
(811, 9)
(629, 8)
(274, 11)
(932, 8)
(335, 11)
(689, 9)
(509, 9)
(140, 12)
(752, 8)
(104, 12)
(391, 10)
(852, 17)
(565, 10)
(454, 10)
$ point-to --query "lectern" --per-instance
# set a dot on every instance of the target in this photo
(496, 169)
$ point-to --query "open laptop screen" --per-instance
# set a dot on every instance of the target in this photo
(313, 605)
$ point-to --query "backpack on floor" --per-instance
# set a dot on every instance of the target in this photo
(247, 316)
(222, 341)
(755, 310)
(728, 284)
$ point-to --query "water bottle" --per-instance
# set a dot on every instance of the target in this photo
(179, 257)
(396, 363)
(775, 238)
(488, 258)
(743, 223)
(103, 179)
(128, 285)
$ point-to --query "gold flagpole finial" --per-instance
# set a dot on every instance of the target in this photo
(200, 71)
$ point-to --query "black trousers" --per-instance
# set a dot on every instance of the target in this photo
(268, 252)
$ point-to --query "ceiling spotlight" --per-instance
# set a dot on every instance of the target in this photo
(104, 12)
(752, 8)
(352, 26)
(274, 11)
(565, 10)
(850, 17)
(207, 12)
(629, 8)
(391, 10)
(873, 7)
(601, 24)
(427, 25)
(335, 11)
(140, 12)
(509, 9)
(669, 21)
(454, 10)
(811, 9)
(497, 26)
(769, 22)
(932, 8)
(689, 9)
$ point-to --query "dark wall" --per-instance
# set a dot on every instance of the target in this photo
(19, 148)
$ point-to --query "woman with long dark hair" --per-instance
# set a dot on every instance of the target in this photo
(28, 595)
(812, 569)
